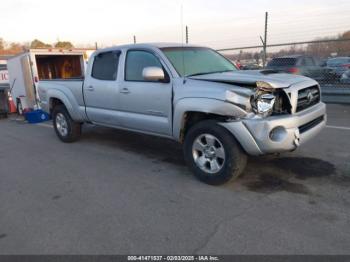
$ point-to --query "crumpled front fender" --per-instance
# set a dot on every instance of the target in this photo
(202, 105)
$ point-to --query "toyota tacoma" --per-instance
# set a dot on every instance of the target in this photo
(193, 95)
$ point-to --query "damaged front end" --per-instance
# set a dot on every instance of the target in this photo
(273, 124)
(278, 112)
(262, 100)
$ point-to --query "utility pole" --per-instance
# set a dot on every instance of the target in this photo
(186, 34)
(265, 39)
(134, 39)
(96, 47)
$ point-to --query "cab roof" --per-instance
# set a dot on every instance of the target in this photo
(148, 45)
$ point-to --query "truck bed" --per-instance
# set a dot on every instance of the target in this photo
(72, 89)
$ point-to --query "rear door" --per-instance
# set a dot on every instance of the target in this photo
(145, 106)
(29, 86)
(101, 89)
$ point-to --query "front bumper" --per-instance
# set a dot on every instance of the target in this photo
(278, 133)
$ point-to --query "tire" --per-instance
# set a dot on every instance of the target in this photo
(66, 128)
(19, 108)
(226, 163)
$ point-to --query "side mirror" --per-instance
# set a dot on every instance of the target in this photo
(153, 74)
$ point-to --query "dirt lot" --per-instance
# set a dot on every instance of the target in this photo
(119, 193)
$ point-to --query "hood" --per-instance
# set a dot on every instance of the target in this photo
(249, 78)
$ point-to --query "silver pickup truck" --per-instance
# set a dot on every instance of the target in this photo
(193, 95)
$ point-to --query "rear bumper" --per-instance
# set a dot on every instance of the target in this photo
(279, 133)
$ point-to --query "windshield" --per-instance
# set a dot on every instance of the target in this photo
(189, 61)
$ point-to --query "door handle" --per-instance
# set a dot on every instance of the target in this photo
(125, 90)
(90, 88)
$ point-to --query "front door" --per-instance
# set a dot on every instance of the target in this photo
(101, 89)
(145, 105)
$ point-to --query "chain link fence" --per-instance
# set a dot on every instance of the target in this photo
(327, 61)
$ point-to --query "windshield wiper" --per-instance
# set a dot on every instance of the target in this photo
(207, 73)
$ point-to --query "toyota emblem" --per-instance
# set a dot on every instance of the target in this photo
(310, 97)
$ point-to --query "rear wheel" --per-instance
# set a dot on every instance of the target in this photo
(19, 108)
(213, 154)
(65, 127)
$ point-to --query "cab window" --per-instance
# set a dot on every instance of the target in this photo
(105, 66)
(136, 61)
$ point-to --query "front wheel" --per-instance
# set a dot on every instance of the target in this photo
(66, 128)
(213, 154)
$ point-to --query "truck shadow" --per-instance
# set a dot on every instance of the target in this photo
(155, 148)
(263, 174)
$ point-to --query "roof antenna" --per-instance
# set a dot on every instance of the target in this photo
(182, 41)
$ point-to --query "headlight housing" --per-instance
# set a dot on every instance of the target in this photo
(263, 103)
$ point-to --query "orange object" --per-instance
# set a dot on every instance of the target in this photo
(12, 106)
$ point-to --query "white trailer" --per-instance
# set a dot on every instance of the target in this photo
(27, 69)
(4, 78)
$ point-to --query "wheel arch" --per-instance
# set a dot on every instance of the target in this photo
(57, 97)
(190, 111)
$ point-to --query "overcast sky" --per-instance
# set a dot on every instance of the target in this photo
(219, 23)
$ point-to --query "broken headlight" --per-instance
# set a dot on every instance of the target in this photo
(263, 103)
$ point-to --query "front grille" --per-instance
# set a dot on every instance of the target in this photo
(311, 124)
(308, 97)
